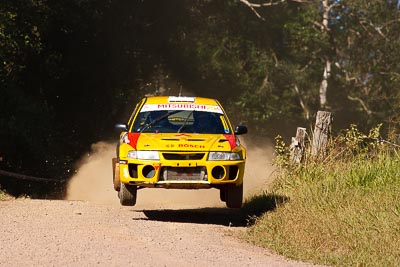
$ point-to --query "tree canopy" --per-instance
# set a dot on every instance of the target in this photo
(71, 69)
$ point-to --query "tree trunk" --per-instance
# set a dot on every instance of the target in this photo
(323, 89)
(302, 104)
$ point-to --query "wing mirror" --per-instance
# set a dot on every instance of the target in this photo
(122, 127)
(240, 129)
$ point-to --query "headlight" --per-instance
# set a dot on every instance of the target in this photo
(224, 156)
(142, 154)
(132, 154)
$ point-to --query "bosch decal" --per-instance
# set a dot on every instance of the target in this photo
(190, 146)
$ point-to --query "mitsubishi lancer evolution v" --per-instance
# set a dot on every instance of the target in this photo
(180, 143)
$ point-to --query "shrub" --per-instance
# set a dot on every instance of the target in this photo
(342, 211)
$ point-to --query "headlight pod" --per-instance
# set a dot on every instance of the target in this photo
(143, 154)
(224, 156)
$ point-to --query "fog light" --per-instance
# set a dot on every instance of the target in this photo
(218, 172)
(148, 171)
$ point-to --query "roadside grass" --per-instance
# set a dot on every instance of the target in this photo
(4, 196)
(342, 212)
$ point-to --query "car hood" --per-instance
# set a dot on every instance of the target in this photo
(183, 142)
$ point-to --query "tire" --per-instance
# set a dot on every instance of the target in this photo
(116, 181)
(234, 196)
(127, 194)
(222, 194)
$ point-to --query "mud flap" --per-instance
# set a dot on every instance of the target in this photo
(115, 168)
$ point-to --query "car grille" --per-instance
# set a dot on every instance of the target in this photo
(184, 174)
(180, 156)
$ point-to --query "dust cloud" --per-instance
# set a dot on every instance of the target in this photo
(93, 181)
(259, 171)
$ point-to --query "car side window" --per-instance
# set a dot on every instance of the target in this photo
(140, 121)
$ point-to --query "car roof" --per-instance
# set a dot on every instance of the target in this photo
(181, 99)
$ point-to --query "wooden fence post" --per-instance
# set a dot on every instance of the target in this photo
(297, 147)
(321, 134)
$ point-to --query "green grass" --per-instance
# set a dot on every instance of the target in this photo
(345, 212)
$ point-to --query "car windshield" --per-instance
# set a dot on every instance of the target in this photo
(181, 121)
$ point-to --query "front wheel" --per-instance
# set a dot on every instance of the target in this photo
(222, 194)
(127, 194)
(234, 196)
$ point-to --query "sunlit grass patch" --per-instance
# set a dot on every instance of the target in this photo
(344, 212)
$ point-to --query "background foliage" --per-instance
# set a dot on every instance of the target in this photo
(70, 69)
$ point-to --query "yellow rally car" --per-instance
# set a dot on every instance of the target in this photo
(179, 142)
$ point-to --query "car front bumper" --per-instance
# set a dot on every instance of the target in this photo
(185, 174)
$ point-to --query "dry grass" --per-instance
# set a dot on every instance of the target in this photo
(4, 196)
(345, 212)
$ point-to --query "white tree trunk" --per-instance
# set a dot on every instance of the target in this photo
(325, 15)
(302, 104)
(326, 8)
(323, 88)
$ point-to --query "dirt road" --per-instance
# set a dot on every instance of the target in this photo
(81, 233)
(165, 228)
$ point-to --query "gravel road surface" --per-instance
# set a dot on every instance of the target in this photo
(83, 233)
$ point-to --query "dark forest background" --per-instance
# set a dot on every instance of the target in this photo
(71, 69)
